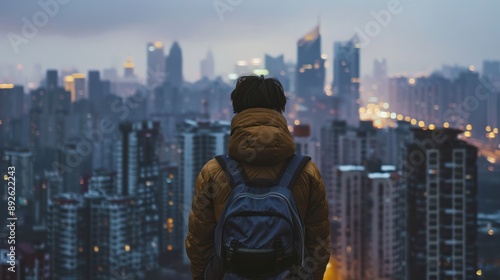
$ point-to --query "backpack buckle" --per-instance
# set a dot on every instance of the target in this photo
(231, 249)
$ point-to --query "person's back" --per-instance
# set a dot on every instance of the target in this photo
(261, 143)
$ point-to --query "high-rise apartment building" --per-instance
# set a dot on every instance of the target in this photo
(305, 144)
(137, 164)
(92, 236)
(441, 181)
(368, 222)
(68, 237)
(199, 141)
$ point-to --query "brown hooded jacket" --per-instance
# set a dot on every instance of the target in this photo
(261, 143)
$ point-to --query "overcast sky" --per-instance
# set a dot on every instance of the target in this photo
(93, 34)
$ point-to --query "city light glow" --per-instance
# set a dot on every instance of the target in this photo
(261, 72)
(6, 86)
(242, 63)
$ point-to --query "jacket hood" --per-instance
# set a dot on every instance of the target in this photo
(260, 136)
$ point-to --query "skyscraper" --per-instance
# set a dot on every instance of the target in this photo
(441, 180)
(51, 80)
(380, 80)
(46, 187)
(111, 249)
(305, 144)
(348, 217)
(72, 177)
(346, 78)
(345, 145)
(171, 231)
(310, 68)
(103, 182)
(137, 176)
(94, 87)
(277, 68)
(92, 236)
(156, 64)
(173, 67)
(11, 108)
(207, 68)
(80, 86)
(368, 222)
(491, 70)
(391, 142)
(22, 160)
(128, 68)
(49, 110)
(199, 142)
(385, 228)
(330, 156)
(68, 237)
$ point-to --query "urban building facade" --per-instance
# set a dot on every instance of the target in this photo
(199, 142)
(441, 182)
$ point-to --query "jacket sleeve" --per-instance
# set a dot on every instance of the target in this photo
(201, 227)
(317, 226)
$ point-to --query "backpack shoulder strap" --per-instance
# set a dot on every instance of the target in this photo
(293, 170)
(232, 168)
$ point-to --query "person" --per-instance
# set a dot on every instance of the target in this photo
(261, 143)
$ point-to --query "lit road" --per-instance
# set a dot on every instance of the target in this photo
(493, 155)
(382, 118)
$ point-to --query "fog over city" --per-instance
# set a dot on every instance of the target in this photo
(96, 35)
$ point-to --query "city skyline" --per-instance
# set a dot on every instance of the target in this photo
(107, 117)
(436, 30)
